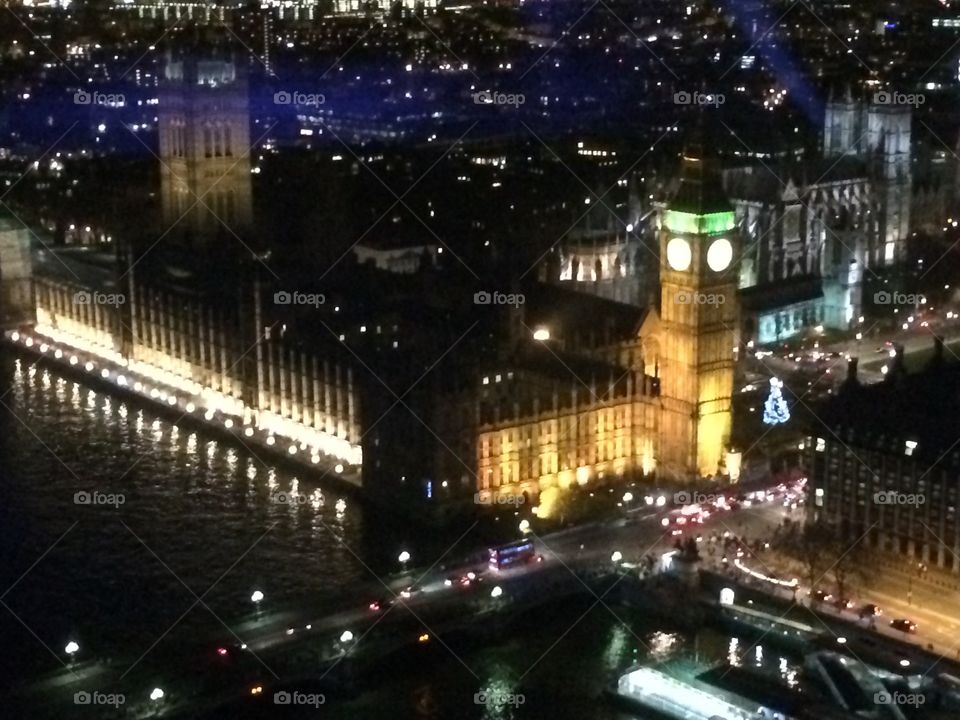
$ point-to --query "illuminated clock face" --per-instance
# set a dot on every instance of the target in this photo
(678, 254)
(719, 255)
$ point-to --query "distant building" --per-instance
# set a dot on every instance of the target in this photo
(883, 461)
(396, 256)
(811, 229)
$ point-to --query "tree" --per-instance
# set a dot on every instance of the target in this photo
(811, 547)
(775, 410)
(852, 566)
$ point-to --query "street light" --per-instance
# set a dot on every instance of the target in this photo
(71, 649)
(256, 599)
(404, 558)
(496, 592)
(156, 695)
(346, 636)
(616, 557)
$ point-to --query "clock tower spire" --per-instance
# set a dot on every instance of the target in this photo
(698, 311)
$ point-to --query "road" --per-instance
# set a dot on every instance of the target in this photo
(638, 534)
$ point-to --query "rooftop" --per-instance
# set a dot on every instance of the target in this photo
(912, 414)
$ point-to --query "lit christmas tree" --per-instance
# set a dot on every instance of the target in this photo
(775, 410)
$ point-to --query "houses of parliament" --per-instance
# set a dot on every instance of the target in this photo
(578, 390)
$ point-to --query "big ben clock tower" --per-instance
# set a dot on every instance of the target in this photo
(698, 313)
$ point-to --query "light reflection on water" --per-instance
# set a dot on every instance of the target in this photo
(202, 506)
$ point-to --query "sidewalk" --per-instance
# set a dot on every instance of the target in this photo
(934, 578)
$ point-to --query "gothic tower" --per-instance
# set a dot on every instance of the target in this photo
(699, 246)
(205, 147)
(888, 142)
(842, 126)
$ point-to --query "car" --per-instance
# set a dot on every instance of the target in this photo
(377, 605)
(843, 603)
(821, 596)
(903, 625)
(870, 610)
(409, 591)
